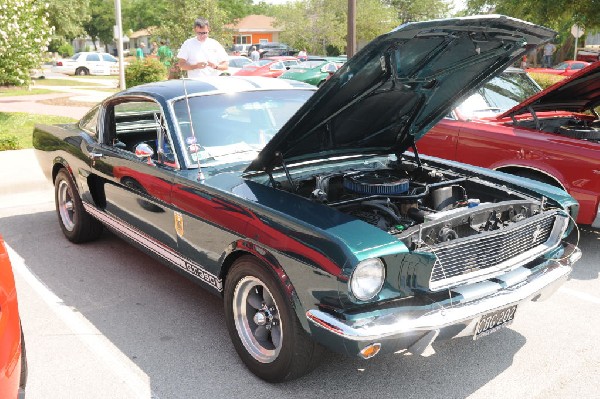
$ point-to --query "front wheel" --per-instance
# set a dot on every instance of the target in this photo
(263, 326)
(77, 225)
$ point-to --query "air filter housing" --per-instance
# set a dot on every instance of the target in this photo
(375, 183)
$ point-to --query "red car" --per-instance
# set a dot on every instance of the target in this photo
(270, 67)
(13, 362)
(552, 136)
(565, 68)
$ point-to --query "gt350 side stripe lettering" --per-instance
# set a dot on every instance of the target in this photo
(164, 252)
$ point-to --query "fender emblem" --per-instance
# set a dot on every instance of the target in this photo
(178, 223)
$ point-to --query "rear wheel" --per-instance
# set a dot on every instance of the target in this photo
(77, 225)
(81, 71)
(263, 326)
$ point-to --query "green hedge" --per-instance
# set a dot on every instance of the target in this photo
(143, 71)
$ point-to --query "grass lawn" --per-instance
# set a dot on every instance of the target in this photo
(22, 91)
(16, 128)
(64, 82)
(107, 77)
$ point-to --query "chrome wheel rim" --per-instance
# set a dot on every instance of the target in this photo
(66, 209)
(257, 320)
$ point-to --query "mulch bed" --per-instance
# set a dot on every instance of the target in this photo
(66, 101)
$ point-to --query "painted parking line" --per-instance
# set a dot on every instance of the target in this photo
(130, 374)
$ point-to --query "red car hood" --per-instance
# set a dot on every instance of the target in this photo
(577, 93)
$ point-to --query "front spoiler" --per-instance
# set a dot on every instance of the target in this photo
(415, 332)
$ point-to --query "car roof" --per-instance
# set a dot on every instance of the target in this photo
(177, 88)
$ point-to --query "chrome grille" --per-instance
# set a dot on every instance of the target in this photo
(473, 257)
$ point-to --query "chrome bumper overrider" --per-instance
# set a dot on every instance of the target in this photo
(397, 330)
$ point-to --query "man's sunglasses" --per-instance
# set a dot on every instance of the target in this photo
(202, 33)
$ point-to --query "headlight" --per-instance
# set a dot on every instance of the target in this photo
(367, 279)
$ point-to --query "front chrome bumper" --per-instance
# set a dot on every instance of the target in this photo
(396, 330)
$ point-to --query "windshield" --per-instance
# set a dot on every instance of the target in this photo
(498, 95)
(233, 127)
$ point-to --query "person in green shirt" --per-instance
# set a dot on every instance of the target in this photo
(139, 52)
(165, 55)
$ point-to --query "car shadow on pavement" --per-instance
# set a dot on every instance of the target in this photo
(174, 331)
(589, 241)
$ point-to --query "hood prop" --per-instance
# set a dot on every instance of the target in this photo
(416, 152)
(275, 184)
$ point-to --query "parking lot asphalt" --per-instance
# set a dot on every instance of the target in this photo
(103, 320)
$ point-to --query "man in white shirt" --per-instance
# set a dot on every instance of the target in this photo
(254, 54)
(201, 55)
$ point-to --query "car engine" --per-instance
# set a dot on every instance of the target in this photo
(421, 205)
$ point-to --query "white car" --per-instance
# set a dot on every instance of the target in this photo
(88, 63)
(236, 62)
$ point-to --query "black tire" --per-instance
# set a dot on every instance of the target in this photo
(81, 71)
(76, 224)
(263, 326)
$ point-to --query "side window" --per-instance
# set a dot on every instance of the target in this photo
(93, 57)
(140, 122)
(108, 58)
(89, 123)
(577, 65)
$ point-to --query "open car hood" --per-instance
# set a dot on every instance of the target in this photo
(580, 92)
(398, 86)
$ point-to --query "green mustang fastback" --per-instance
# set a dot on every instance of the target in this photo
(310, 211)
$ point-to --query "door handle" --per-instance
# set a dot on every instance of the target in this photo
(96, 155)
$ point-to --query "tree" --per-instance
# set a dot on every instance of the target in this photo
(177, 24)
(559, 15)
(236, 9)
(140, 14)
(327, 23)
(67, 18)
(419, 10)
(100, 25)
(24, 37)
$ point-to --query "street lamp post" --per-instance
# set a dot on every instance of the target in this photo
(120, 44)
(351, 35)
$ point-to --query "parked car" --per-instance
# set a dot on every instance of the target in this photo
(270, 67)
(271, 49)
(314, 72)
(241, 49)
(565, 68)
(13, 358)
(86, 63)
(236, 62)
(551, 136)
(303, 210)
(588, 55)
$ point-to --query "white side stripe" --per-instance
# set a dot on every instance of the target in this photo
(156, 247)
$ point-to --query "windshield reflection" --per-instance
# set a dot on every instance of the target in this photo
(233, 127)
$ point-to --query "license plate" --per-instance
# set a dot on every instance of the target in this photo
(494, 321)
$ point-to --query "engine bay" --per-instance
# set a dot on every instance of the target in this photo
(422, 205)
(583, 128)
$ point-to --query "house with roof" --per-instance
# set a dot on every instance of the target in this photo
(254, 29)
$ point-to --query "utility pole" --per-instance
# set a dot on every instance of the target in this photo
(120, 44)
(351, 36)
